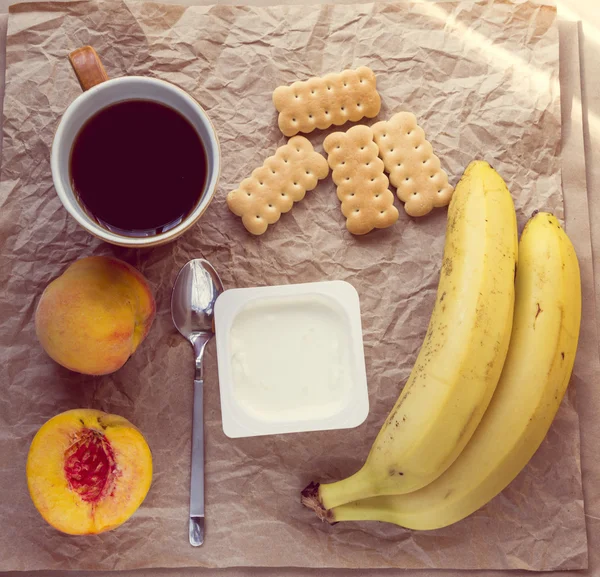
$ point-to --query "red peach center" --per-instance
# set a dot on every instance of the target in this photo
(90, 465)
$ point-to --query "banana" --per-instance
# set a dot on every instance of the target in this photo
(534, 379)
(459, 364)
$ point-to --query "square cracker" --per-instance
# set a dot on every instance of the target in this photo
(361, 183)
(331, 100)
(273, 188)
(414, 169)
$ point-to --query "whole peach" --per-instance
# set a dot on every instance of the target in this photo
(93, 317)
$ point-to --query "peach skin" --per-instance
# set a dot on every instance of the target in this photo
(88, 471)
(94, 316)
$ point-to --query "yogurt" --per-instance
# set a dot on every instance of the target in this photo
(290, 359)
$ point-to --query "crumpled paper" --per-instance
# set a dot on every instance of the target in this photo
(481, 78)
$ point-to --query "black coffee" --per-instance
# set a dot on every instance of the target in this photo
(138, 167)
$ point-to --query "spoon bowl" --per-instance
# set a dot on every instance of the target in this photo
(192, 303)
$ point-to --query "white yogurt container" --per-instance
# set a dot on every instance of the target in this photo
(290, 359)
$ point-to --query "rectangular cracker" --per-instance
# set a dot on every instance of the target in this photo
(273, 188)
(323, 102)
(361, 183)
(414, 169)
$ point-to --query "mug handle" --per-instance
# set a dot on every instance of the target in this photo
(88, 67)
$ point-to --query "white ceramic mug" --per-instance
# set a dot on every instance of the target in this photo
(100, 92)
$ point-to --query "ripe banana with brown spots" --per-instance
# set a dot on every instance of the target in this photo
(534, 379)
(459, 364)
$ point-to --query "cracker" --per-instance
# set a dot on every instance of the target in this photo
(282, 180)
(331, 100)
(361, 183)
(414, 169)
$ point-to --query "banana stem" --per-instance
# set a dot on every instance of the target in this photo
(322, 498)
(310, 499)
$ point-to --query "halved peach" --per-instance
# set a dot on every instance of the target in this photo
(88, 471)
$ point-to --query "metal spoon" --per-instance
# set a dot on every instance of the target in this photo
(192, 306)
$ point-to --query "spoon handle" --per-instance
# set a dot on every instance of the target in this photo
(197, 478)
(196, 530)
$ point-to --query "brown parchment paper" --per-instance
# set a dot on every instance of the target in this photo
(481, 78)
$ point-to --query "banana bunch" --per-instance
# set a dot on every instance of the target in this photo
(471, 416)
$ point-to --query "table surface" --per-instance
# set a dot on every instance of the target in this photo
(587, 15)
